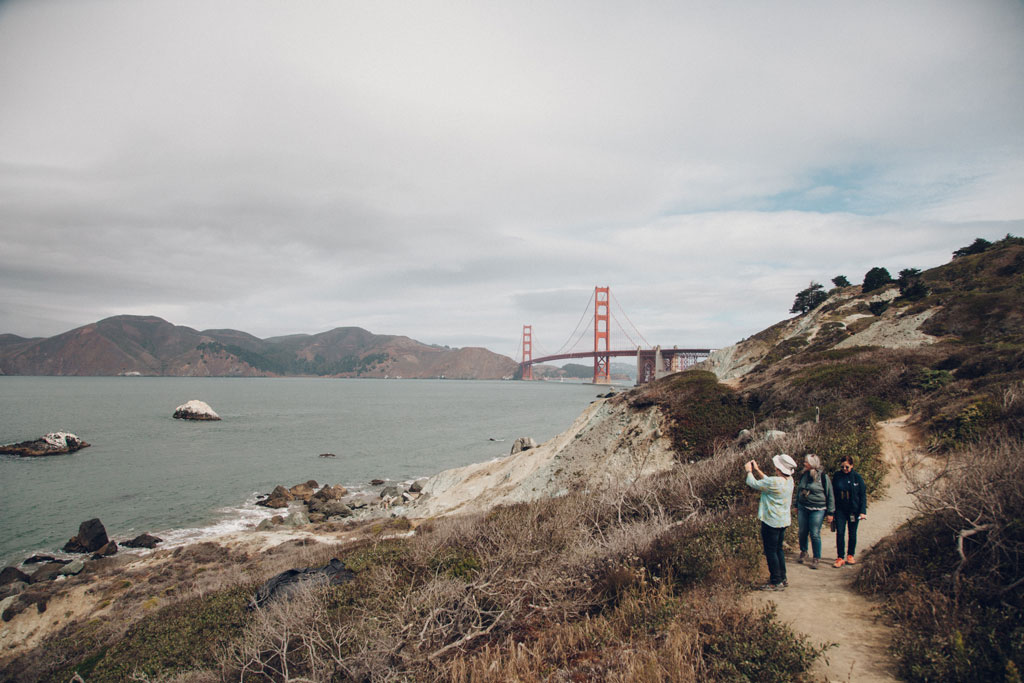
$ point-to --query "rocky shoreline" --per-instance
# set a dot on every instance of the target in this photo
(314, 520)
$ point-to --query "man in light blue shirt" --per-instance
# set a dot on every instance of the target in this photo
(773, 511)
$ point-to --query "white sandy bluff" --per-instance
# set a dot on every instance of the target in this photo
(195, 410)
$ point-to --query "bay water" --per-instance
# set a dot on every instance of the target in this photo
(182, 480)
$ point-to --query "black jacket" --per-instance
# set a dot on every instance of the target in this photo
(851, 494)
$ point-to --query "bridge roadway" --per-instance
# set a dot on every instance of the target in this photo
(619, 353)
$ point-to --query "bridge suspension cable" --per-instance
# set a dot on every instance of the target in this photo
(570, 342)
(624, 330)
(623, 311)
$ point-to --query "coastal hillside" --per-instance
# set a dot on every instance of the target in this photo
(624, 548)
(151, 346)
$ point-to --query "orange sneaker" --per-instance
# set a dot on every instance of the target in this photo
(838, 563)
(850, 560)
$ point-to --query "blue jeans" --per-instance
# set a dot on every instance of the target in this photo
(809, 522)
(772, 537)
(846, 521)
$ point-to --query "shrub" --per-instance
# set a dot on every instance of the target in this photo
(911, 286)
(976, 247)
(179, 637)
(809, 298)
(875, 278)
(965, 426)
(878, 307)
(699, 410)
(857, 439)
(952, 576)
(840, 281)
(929, 380)
(850, 379)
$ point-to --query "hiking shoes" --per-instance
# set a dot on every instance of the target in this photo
(813, 564)
(850, 560)
(772, 587)
(802, 558)
(838, 563)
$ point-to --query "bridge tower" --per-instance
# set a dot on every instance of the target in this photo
(602, 366)
(527, 352)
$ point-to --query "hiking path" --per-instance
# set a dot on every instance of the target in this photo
(822, 603)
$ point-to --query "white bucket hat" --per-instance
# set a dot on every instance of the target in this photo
(784, 463)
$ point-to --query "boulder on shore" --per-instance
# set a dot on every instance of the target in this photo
(92, 536)
(331, 492)
(523, 443)
(278, 498)
(329, 508)
(143, 541)
(72, 568)
(12, 574)
(109, 548)
(47, 572)
(195, 410)
(302, 491)
(54, 443)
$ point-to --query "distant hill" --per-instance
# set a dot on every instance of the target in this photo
(152, 346)
(620, 372)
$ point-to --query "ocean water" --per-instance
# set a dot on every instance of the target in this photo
(147, 472)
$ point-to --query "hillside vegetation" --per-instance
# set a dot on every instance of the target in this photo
(643, 580)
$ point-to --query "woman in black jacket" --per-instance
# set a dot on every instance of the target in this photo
(851, 507)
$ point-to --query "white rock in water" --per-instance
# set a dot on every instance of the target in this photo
(195, 410)
(62, 439)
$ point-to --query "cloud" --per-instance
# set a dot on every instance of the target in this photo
(452, 172)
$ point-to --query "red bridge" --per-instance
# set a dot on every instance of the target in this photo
(651, 363)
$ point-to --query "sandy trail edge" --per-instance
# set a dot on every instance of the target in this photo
(823, 605)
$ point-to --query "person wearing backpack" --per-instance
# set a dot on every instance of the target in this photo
(815, 503)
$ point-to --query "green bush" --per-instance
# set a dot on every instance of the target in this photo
(457, 563)
(700, 411)
(855, 438)
(759, 649)
(965, 426)
(930, 380)
(878, 307)
(177, 638)
(850, 379)
(976, 247)
(875, 278)
(809, 298)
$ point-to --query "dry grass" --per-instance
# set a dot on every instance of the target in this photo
(954, 574)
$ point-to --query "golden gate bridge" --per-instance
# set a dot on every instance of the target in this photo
(651, 362)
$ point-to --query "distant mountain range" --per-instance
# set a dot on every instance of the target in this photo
(619, 371)
(147, 345)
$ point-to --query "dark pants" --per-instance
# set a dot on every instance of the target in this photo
(772, 539)
(845, 521)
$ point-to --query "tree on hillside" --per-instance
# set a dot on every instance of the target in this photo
(840, 281)
(809, 299)
(979, 245)
(912, 288)
(875, 278)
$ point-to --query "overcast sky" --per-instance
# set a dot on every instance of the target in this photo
(451, 171)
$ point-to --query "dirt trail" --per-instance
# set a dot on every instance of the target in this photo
(822, 603)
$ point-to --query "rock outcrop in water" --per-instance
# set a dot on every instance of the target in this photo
(92, 536)
(54, 443)
(195, 410)
(143, 541)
